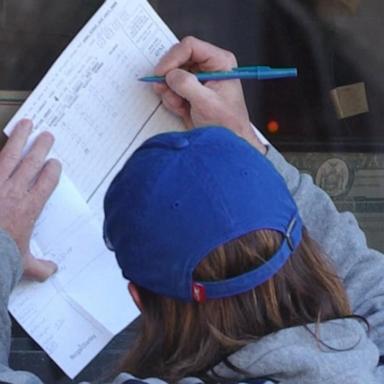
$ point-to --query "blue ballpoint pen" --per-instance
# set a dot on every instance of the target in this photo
(259, 73)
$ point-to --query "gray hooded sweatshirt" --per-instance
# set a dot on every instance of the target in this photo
(348, 352)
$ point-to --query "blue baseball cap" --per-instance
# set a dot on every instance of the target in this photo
(183, 194)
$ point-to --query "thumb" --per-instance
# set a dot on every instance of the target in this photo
(186, 85)
(38, 269)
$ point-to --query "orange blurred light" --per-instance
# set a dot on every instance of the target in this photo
(273, 126)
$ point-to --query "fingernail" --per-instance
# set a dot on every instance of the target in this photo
(55, 163)
(46, 269)
(160, 88)
(26, 124)
(51, 266)
(47, 136)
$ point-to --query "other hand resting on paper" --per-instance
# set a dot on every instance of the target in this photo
(212, 103)
(26, 183)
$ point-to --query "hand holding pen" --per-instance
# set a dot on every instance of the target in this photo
(199, 104)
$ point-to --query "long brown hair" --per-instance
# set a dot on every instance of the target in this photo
(179, 339)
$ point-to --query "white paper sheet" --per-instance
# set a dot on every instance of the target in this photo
(99, 113)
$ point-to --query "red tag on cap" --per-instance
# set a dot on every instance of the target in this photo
(198, 292)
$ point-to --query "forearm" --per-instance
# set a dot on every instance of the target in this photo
(361, 268)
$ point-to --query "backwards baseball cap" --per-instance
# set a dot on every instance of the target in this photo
(183, 194)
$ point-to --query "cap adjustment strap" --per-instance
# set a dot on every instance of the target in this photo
(202, 291)
(288, 234)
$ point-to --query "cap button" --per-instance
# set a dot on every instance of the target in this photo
(179, 142)
(170, 142)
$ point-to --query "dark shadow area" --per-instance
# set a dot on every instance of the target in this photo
(332, 44)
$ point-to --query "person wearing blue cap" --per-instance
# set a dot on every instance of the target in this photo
(230, 284)
(218, 236)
